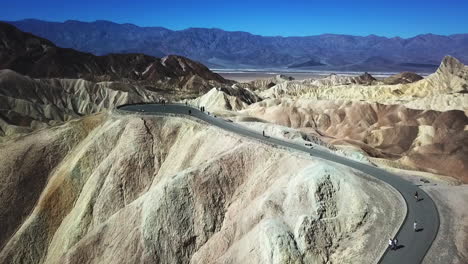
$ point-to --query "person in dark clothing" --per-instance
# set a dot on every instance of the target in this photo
(189, 112)
(416, 196)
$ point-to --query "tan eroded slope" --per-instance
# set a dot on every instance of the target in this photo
(170, 190)
(427, 140)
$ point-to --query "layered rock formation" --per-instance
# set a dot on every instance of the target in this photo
(107, 189)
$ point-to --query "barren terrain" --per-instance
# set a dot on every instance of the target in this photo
(167, 190)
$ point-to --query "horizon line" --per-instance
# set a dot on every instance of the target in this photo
(233, 31)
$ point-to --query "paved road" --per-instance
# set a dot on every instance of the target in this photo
(414, 244)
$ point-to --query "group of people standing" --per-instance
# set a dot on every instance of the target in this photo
(393, 244)
(202, 108)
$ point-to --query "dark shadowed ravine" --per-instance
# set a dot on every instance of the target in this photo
(414, 245)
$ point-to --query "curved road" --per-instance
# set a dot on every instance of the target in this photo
(414, 245)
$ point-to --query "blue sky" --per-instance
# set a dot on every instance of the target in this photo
(272, 18)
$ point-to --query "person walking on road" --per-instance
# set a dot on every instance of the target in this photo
(395, 244)
(189, 112)
(263, 132)
(416, 196)
(390, 244)
(415, 226)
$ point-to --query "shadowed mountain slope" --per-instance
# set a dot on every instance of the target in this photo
(40, 58)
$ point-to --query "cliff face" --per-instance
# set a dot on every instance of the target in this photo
(112, 188)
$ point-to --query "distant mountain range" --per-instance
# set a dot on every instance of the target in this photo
(223, 49)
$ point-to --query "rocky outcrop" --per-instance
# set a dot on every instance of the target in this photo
(451, 76)
(128, 189)
(227, 98)
(401, 78)
(365, 79)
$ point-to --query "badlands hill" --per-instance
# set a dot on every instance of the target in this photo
(78, 187)
(413, 123)
(219, 48)
(63, 84)
(446, 89)
(40, 58)
(27, 104)
(140, 189)
(430, 141)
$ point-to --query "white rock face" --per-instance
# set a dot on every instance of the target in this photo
(147, 189)
(216, 100)
(225, 99)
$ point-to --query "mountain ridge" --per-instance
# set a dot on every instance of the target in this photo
(226, 49)
(38, 57)
(224, 30)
